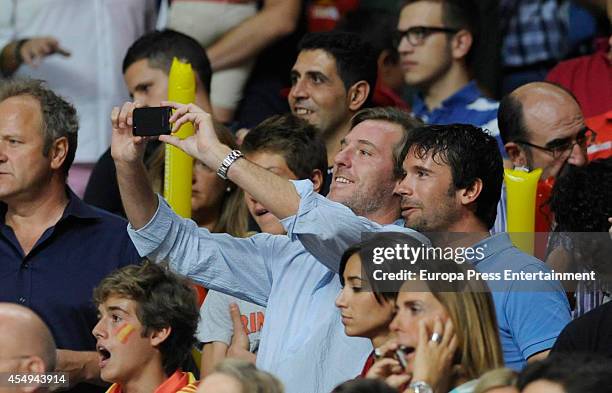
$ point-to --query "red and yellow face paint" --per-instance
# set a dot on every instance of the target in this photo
(124, 331)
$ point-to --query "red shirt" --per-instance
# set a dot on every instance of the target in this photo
(602, 125)
(589, 78)
(179, 382)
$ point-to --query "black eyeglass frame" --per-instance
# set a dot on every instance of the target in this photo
(558, 151)
(424, 31)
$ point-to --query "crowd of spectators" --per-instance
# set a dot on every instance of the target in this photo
(337, 143)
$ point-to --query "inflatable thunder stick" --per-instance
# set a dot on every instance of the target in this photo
(178, 165)
(521, 200)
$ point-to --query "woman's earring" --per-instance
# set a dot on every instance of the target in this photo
(228, 189)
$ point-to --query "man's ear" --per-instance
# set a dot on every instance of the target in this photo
(159, 336)
(461, 44)
(469, 194)
(58, 152)
(316, 177)
(357, 95)
(32, 365)
(516, 154)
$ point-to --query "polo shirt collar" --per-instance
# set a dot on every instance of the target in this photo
(462, 98)
(492, 245)
(76, 208)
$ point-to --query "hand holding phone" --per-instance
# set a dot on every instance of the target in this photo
(152, 121)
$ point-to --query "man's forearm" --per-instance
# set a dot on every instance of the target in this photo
(275, 193)
(137, 196)
(277, 19)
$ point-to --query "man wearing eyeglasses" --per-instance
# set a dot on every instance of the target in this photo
(542, 127)
(435, 40)
(26, 347)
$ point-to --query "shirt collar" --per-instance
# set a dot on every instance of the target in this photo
(76, 207)
(463, 97)
(492, 245)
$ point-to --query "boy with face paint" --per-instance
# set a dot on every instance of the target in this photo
(148, 317)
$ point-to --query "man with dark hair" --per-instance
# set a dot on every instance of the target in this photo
(280, 272)
(147, 63)
(452, 182)
(436, 40)
(147, 321)
(289, 147)
(541, 126)
(26, 346)
(146, 66)
(54, 248)
(333, 77)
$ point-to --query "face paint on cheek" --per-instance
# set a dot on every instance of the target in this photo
(124, 331)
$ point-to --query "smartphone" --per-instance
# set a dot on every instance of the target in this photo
(152, 121)
(400, 355)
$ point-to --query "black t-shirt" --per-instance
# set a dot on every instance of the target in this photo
(590, 333)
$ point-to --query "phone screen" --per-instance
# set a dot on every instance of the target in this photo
(152, 121)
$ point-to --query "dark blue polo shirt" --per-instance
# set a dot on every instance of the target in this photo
(57, 277)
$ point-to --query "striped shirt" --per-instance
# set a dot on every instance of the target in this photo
(467, 106)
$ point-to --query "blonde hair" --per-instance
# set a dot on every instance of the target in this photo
(498, 378)
(233, 219)
(473, 315)
(250, 378)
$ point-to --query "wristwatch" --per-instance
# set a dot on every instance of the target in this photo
(420, 387)
(227, 162)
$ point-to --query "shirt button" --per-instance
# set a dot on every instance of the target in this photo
(26, 265)
(22, 299)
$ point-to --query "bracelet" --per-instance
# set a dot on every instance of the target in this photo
(420, 387)
(227, 162)
(17, 51)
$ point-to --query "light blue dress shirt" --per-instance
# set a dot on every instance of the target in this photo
(303, 340)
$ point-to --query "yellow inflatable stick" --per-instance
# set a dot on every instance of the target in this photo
(521, 190)
(178, 165)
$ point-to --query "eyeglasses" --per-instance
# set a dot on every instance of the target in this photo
(417, 35)
(557, 148)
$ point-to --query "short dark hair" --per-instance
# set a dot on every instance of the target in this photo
(160, 47)
(293, 138)
(461, 15)
(59, 117)
(355, 59)
(164, 300)
(578, 373)
(511, 120)
(471, 153)
(395, 116)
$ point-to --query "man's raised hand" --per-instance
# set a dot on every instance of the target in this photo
(125, 147)
(204, 145)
